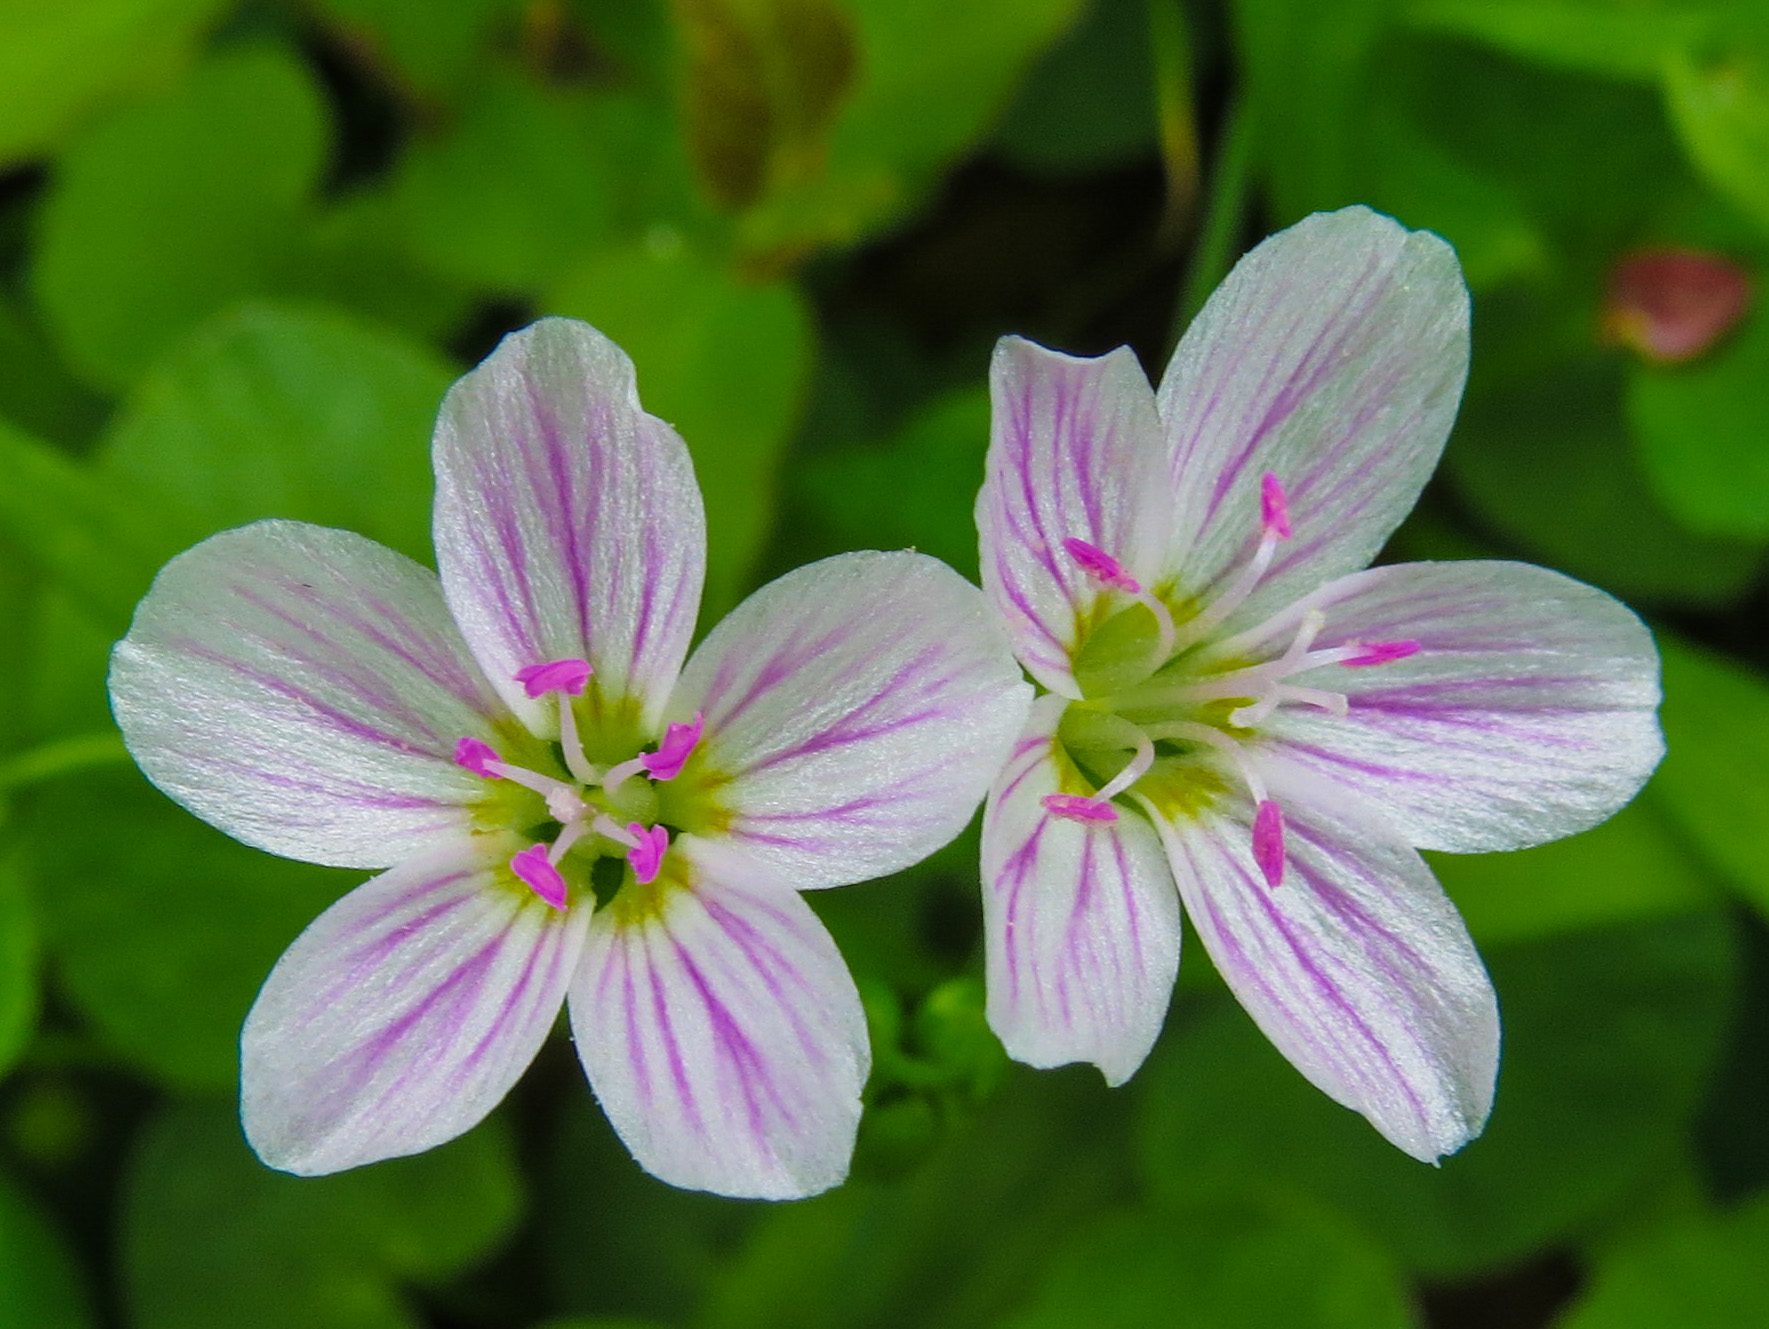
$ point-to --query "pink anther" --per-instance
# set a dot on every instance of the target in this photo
(1274, 507)
(1101, 566)
(1381, 652)
(478, 756)
(647, 856)
(1074, 807)
(535, 868)
(1268, 841)
(672, 753)
(570, 676)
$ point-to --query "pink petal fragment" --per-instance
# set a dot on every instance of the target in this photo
(1359, 970)
(678, 743)
(303, 689)
(568, 521)
(1076, 807)
(535, 868)
(1081, 922)
(1274, 507)
(403, 1014)
(1075, 468)
(1528, 712)
(1101, 566)
(1671, 305)
(1268, 842)
(859, 706)
(1381, 653)
(569, 676)
(476, 755)
(647, 856)
(725, 1040)
(1334, 356)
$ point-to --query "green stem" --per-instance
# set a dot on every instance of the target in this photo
(62, 756)
(1230, 181)
(1176, 123)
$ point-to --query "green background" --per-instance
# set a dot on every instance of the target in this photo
(245, 247)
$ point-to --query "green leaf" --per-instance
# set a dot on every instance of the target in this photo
(1230, 1264)
(290, 412)
(356, 256)
(1609, 1040)
(37, 392)
(953, 1239)
(1545, 461)
(1621, 38)
(915, 107)
(162, 929)
(1306, 68)
(59, 61)
(1415, 178)
(426, 49)
(727, 363)
(18, 970)
(1089, 102)
(762, 79)
(1694, 1274)
(528, 180)
(917, 490)
(1700, 428)
(1633, 866)
(212, 1239)
(656, 1248)
(1715, 779)
(1721, 110)
(174, 208)
(40, 1285)
(85, 537)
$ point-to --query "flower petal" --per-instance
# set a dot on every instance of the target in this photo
(855, 712)
(568, 522)
(303, 689)
(1075, 453)
(1333, 357)
(724, 1038)
(1081, 921)
(403, 1015)
(1358, 968)
(1528, 712)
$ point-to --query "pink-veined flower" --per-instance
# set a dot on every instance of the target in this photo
(519, 737)
(1240, 718)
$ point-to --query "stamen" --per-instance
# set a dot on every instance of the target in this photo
(1076, 807)
(1108, 571)
(478, 756)
(568, 678)
(1268, 841)
(1268, 817)
(1381, 652)
(1274, 507)
(555, 676)
(482, 759)
(672, 754)
(1101, 566)
(534, 866)
(1274, 525)
(1133, 770)
(1223, 743)
(646, 856)
(603, 824)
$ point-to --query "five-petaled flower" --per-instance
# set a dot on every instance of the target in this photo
(1236, 709)
(567, 814)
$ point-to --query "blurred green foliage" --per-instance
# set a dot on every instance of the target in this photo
(246, 244)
